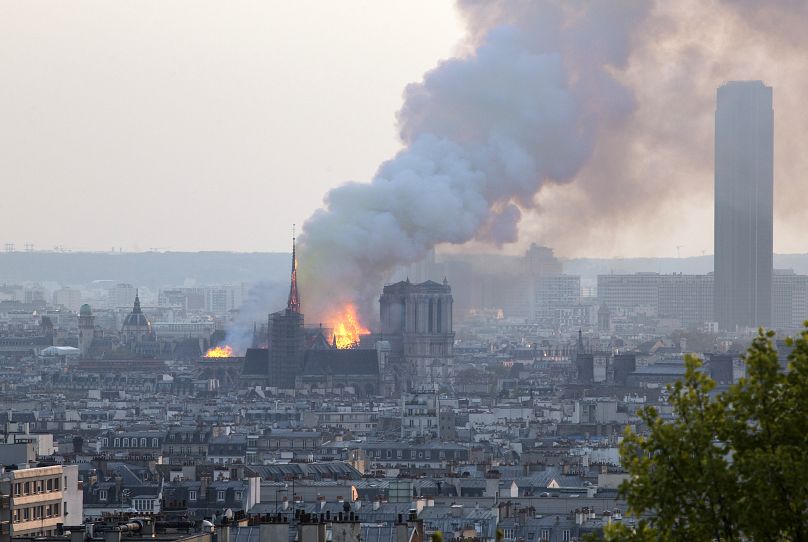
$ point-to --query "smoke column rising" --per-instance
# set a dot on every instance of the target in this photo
(482, 134)
(262, 298)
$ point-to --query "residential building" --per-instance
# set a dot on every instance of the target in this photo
(420, 415)
(36, 497)
(789, 300)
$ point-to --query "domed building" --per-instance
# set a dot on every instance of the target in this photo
(136, 333)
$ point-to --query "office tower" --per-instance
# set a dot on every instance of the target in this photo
(744, 148)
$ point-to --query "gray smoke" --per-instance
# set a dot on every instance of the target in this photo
(648, 185)
(482, 135)
(262, 298)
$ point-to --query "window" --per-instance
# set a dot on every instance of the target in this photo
(39, 486)
(545, 534)
(220, 495)
(565, 535)
(399, 454)
(49, 484)
(238, 496)
(192, 495)
(26, 488)
(126, 442)
(143, 442)
(55, 508)
(105, 441)
(154, 443)
(412, 454)
(102, 495)
(17, 489)
(26, 514)
(389, 454)
(56, 483)
(116, 443)
(16, 516)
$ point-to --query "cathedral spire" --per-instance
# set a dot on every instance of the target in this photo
(136, 309)
(294, 298)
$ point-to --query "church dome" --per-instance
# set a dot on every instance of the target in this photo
(85, 310)
(136, 319)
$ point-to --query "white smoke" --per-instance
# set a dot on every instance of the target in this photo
(482, 135)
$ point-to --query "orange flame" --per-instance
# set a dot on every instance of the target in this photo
(347, 327)
(220, 352)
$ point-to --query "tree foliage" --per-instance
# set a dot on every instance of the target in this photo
(728, 466)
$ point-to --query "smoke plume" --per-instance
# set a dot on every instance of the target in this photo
(482, 134)
(648, 185)
(618, 96)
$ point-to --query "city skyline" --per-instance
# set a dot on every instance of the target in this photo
(403, 271)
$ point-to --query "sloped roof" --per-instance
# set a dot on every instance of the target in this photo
(256, 362)
(351, 361)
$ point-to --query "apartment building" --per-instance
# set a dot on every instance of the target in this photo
(36, 500)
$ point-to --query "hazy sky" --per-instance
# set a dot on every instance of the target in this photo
(198, 125)
(214, 126)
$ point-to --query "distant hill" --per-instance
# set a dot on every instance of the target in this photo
(153, 269)
(591, 267)
(156, 269)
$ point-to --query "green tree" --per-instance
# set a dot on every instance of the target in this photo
(768, 431)
(728, 466)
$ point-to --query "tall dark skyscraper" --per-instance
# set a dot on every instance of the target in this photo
(744, 179)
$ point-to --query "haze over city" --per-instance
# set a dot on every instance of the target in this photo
(376, 271)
